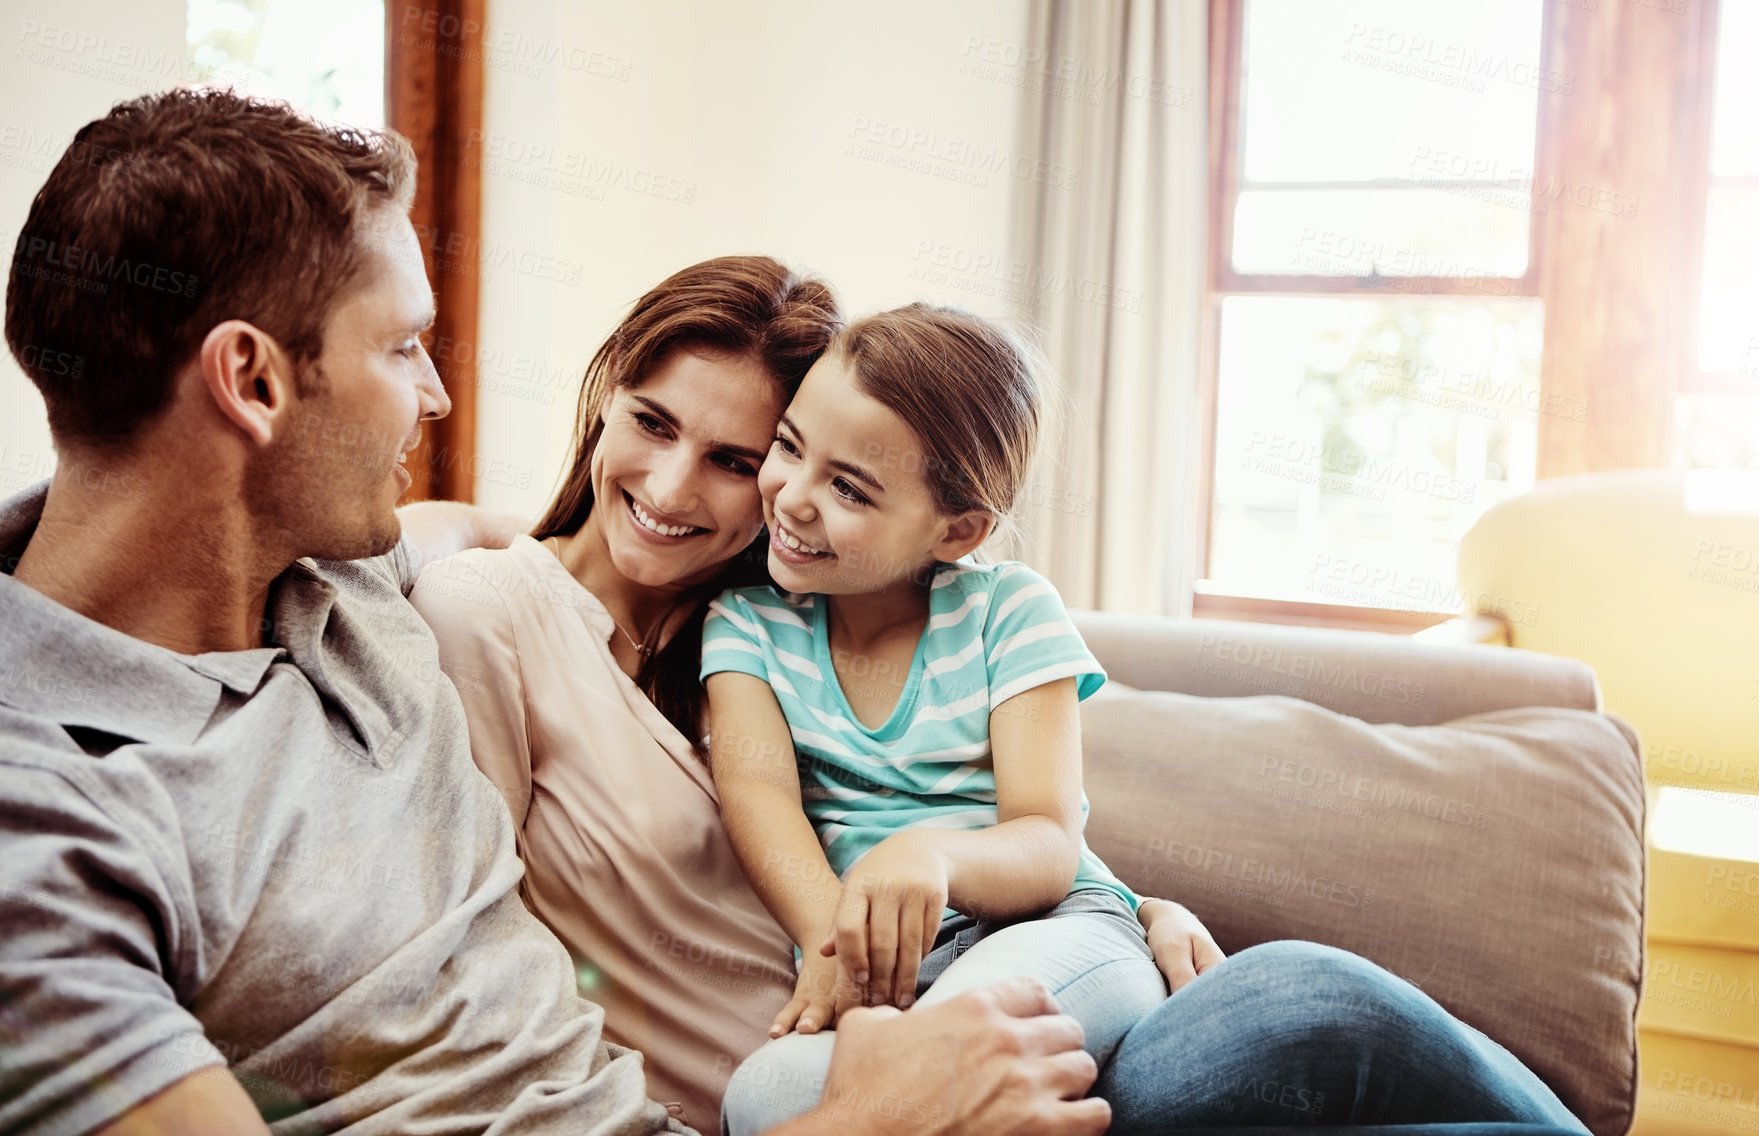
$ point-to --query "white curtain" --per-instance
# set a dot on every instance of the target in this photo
(1115, 259)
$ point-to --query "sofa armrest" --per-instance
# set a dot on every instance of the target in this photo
(1374, 677)
(1485, 629)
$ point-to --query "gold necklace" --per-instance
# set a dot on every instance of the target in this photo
(641, 650)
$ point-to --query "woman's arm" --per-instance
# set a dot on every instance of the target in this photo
(437, 529)
(1183, 947)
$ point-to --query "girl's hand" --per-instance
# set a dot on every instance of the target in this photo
(890, 913)
(1182, 946)
(820, 994)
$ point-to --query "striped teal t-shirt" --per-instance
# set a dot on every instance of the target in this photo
(994, 631)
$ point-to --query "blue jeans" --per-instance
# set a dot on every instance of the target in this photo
(1293, 1034)
(1089, 950)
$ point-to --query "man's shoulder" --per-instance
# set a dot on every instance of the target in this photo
(376, 577)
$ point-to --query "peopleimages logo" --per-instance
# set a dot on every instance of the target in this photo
(1225, 865)
(90, 266)
(1374, 791)
(1450, 64)
(958, 159)
(1307, 668)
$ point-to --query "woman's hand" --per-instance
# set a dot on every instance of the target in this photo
(888, 918)
(1182, 945)
(820, 994)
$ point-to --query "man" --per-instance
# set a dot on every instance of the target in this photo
(251, 875)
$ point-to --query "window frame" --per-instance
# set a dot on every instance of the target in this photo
(434, 98)
(1694, 379)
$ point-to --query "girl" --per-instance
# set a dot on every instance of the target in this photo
(920, 705)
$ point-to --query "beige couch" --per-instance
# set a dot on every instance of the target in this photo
(1464, 816)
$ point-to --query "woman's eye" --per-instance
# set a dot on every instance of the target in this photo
(651, 424)
(411, 349)
(733, 464)
(848, 492)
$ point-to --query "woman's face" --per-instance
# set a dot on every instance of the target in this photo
(674, 475)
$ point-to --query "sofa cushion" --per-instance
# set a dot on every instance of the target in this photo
(1495, 861)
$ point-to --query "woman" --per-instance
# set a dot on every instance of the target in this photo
(575, 652)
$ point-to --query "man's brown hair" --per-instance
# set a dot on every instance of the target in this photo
(172, 213)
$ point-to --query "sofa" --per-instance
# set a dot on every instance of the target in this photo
(1652, 577)
(1465, 816)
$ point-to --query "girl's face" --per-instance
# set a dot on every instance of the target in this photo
(674, 475)
(845, 493)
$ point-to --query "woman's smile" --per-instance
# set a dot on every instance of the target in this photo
(653, 524)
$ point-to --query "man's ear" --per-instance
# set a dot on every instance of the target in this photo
(963, 534)
(248, 376)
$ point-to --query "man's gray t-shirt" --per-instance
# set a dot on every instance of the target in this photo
(280, 860)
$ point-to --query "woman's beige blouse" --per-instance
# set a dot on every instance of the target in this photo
(626, 857)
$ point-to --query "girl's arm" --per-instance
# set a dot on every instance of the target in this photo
(1022, 864)
(751, 754)
(1027, 861)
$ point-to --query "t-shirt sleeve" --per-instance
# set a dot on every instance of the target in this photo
(732, 638)
(92, 1026)
(1028, 639)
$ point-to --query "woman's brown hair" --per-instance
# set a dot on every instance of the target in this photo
(748, 306)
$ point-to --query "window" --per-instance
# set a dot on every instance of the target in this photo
(1717, 420)
(1374, 310)
(334, 59)
(326, 57)
(1728, 341)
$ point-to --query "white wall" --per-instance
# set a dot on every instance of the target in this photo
(668, 130)
(62, 64)
(753, 111)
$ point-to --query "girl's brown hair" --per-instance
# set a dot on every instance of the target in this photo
(971, 390)
(749, 306)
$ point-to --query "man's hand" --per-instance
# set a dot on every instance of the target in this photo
(889, 915)
(1000, 1059)
(1182, 946)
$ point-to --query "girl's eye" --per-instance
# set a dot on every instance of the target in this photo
(848, 492)
(650, 424)
(787, 446)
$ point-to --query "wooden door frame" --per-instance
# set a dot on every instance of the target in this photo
(434, 98)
